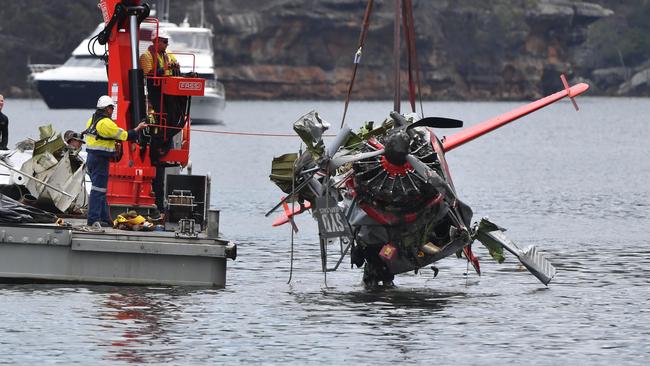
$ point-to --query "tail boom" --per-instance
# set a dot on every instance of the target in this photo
(469, 134)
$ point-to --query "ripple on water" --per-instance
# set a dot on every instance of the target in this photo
(588, 212)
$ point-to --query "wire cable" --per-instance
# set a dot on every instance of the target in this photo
(293, 188)
(238, 133)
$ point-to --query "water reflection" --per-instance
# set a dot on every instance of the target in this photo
(388, 306)
(398, 297)
(138, 322)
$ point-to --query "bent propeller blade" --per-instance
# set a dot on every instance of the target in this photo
(431, 176)
(400, 120)
(345, 159)
(340, 138)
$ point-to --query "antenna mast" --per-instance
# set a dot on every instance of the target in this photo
(162, 10)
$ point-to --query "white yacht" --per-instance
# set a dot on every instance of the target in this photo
(82, 78)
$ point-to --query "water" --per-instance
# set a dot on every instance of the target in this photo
(575, 184)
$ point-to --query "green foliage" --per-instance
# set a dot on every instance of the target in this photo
(41, 31)
(624, 37)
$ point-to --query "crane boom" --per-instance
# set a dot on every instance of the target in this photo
(131, 175)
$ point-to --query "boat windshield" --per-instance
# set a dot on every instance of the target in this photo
(190, 42)
(84, 62)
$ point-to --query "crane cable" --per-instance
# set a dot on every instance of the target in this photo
(236, 133)
(357, 56)
(409, 34)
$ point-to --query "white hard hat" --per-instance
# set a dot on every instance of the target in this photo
(161, 33)
(104, 101)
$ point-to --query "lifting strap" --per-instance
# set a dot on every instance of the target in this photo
(409, 35)
(404, 9)
(396, 56)
(357, 55)
(403, 18)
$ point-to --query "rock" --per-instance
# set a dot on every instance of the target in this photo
(17, 92)
(562, 12)
(558, 12)
(638, 85)
(610, 78)
(588, 12)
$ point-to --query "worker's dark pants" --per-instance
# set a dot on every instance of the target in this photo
(158, 186)
(97, 164)
(159, 148)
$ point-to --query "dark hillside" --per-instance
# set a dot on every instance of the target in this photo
(40, 31)
(616, 56)
(468, 49)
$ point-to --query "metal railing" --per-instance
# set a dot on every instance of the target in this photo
(36, 68)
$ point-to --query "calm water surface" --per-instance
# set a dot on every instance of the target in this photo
(575, 184)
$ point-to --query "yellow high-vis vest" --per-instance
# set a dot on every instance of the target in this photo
(147, 65)
(105, 134)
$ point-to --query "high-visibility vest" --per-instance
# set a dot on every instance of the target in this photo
(103, 134)
(164, 60)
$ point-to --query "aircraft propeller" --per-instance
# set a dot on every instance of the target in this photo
(326, 163)
(329, 162)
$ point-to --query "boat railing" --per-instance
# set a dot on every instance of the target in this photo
(36, 68)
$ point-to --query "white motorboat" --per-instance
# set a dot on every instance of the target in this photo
(82, 78)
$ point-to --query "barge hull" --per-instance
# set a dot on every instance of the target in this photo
(47, 253)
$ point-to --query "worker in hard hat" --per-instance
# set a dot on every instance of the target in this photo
(101, 135)
(165, 63)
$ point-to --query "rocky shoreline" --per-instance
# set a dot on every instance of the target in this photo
(297, 49)
(467, 50)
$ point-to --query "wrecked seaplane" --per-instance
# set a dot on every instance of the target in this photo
(386, 192)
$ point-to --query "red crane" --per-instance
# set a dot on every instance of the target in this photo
(131, 176)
